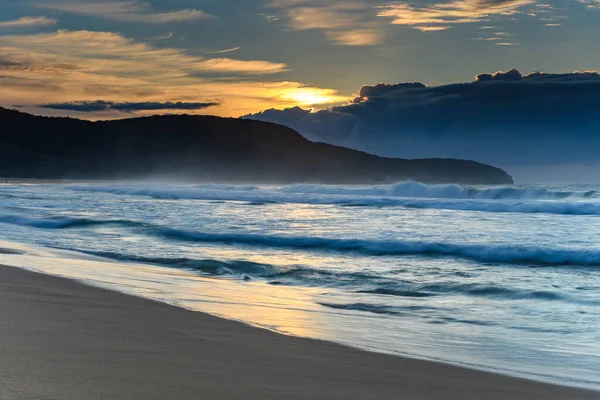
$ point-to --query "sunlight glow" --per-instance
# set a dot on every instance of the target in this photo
(313, 96)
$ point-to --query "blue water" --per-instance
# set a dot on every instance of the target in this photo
(504, 279)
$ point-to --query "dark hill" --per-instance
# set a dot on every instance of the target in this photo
(204, 148)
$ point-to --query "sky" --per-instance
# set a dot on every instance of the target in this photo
(102, 59)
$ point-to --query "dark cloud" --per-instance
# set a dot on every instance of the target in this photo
(382, 88)
(515, 75)
(101, 105)
(315, 126)
(506, 118)
(511, 75)
(6, 63)
(99, 90)
(28, 65)
(28, 84)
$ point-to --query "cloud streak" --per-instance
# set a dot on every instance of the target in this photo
(593, 4)
(28, 22)
(231, 50)
(431, 28)
(166, 36)
(348, 22)
(361, 22)
(127, 11)
(110, 52)
(128, 107)
(455, 12)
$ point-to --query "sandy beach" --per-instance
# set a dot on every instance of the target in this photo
(60, 339)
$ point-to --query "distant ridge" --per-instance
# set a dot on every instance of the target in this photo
(204, 148)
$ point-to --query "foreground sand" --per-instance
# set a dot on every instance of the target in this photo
(62, 340)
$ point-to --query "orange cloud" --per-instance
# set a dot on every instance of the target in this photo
(238, 66)
(431, 28)
(76, 66)
(456, 12)
(110, 52)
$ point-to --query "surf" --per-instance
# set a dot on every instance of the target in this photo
(404, 194)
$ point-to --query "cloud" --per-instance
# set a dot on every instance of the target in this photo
(381, 89)
(231, 50)
(431, 28)
(74, 66)
(499, 39)
(28, 22)
(454, 12)
(110, 52)
(593, 4)
(359, 22)
(239, 66)
(347, 22)
(356, 37)
(166, 36)
(504, 118)
(128, 11)
(101, 105)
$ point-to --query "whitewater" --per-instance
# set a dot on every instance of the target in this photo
(505, 279)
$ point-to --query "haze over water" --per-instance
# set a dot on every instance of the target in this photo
(504, 279)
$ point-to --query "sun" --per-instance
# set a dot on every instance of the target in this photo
(313, 96)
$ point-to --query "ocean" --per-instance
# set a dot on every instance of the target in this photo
(505, 279)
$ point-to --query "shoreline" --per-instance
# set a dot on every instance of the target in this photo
(65, 339)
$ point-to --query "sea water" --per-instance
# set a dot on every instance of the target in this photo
(505, 279)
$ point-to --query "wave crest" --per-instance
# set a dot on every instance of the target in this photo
(63, 222)
(476, 252)
(404, 194)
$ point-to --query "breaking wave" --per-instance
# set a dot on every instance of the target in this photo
(405, 194)
(515, 254)
(421, 190)
(63, 222)
(402, 189)
(477, 252)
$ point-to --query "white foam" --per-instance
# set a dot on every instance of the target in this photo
(404, 194)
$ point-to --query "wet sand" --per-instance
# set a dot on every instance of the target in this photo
(61, 340)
